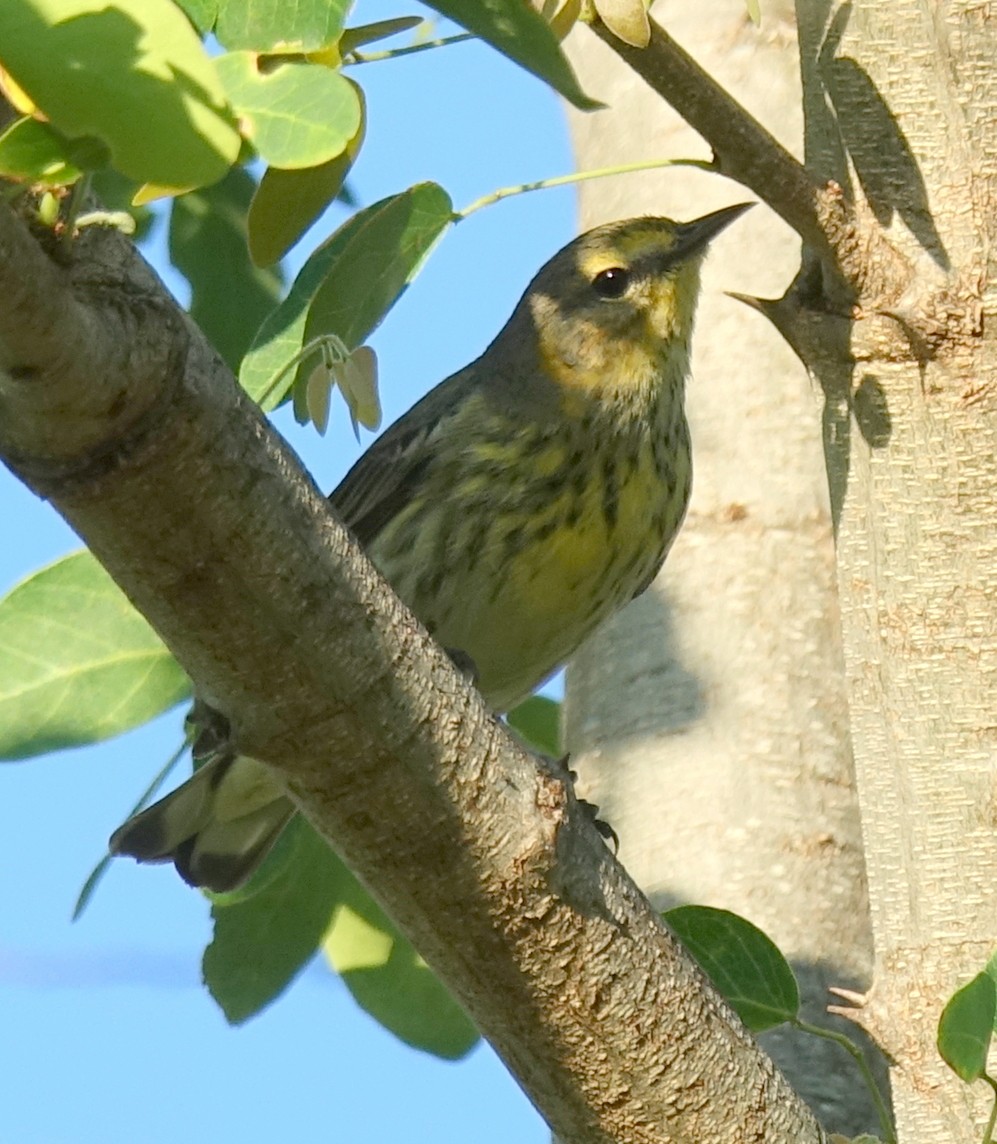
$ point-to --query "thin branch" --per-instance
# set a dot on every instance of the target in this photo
(578, 177)
(742, 148)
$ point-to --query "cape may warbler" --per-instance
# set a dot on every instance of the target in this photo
(513, 509)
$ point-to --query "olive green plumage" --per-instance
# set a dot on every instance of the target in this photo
(517, 506)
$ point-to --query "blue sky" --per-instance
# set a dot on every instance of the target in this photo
(107, 1034)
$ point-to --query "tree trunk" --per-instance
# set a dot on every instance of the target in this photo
(709, 720)
(900, 108)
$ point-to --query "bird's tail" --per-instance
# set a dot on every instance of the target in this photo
(216, 829)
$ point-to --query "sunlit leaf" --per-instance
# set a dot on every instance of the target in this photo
(265, 26)
(564, 18)
(78, 663)
(304, 899)
(627, 20)
(296, 114)
(966, 1027)
(388, 978)
(264, 937)
(133, 74)
(35, 152)
(286, 203)
(201, 13)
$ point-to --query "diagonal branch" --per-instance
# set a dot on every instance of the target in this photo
(854, 250)
(203, 515)
(742, 148)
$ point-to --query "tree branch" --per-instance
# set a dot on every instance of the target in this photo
(820, 213)
(742, 148)
(114, 408)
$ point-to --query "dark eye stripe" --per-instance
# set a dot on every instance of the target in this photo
(611, 283)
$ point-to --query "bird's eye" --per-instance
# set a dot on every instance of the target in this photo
(611, 283)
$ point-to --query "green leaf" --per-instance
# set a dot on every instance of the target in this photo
(286, 203)
(35, 152)
(390, 980)
(265, 26)
(201, 13)
(538, 721)
(265, 934)
(77, 662)
(347, 286)
(522, 34)
(134, 74)
(230, 296)
(304, 898)
(754, 12)
(966, 1027)
(744, 964)
(296, 114)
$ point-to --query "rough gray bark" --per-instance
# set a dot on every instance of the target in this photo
(114, 408)
(708, 721)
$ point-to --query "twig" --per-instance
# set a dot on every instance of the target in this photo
(578, 177)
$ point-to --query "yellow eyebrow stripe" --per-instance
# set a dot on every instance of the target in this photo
(626, 249)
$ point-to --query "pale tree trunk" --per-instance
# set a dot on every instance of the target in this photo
(708, 721)
(890, 314)
(901, 102)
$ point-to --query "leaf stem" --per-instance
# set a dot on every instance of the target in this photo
(579, 177)
(329, 345)
(988, 1134)
(882, 1111)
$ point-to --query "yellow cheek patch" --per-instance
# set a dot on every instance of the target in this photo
(671, 302)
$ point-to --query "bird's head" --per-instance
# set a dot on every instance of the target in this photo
(610, 307)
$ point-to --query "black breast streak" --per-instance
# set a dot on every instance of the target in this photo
(661, 449)
(610, 491)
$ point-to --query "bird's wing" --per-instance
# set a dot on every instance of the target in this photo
(382, 482)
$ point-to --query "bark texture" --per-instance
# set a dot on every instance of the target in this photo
(708, 721)
(901, 102)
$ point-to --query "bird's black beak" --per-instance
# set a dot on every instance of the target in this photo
(693, 236)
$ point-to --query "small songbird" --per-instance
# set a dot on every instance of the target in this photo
(513, 509)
